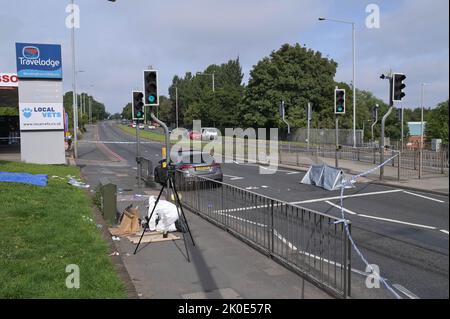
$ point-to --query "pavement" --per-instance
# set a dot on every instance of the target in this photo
(221, 265)
(404, 232)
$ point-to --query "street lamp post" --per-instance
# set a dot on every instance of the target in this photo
(74, 88)
(354, 70)
(74, 92)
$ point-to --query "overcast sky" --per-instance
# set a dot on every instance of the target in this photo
(116, 41)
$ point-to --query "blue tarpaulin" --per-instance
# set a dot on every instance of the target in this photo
(25, 178)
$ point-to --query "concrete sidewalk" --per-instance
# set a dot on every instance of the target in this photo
(221, 267)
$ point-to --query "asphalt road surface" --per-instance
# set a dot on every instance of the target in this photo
(405, 233)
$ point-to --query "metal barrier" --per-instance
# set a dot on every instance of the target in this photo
(146, 168)
(408, 165)
(307, 242)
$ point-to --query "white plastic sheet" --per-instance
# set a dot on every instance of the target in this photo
(329, 178)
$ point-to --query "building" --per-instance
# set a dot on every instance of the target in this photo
(9, 110)
(415, 132)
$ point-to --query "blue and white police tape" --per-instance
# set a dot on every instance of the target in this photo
(346, 183)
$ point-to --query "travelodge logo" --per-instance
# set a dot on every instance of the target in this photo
(30, 52)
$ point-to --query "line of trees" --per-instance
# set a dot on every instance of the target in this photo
(293, 73)
(98, 109)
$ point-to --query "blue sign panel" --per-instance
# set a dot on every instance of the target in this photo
(38, 61)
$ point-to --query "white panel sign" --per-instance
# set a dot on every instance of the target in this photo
(9, 79)
(41, 116)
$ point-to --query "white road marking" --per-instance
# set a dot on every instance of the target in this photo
(345, 196)
(252, 188)
(337, 206)
(278, 170)
(380, 218)
(242, 219)
(234, 178)
(426, 197)
(405, 291)
(397, 221)
(402, 289)
(444, 231)
(264, 186)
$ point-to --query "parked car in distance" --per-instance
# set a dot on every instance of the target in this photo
(151, 127)
(133, 125)
(141, 126)
(191, 164)
(209, 133)
(193, 135)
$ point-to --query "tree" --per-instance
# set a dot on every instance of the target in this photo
(437, 123)
(197, 101)
(126, 112)
(165, 110)
(293, 74)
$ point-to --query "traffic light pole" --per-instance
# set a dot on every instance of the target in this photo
(166, 131)
(383, 121)
(336, 158)
(138, 155)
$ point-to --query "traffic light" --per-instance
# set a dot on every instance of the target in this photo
(138, 106)
(151, 88)
(398, 86)
(339, 101)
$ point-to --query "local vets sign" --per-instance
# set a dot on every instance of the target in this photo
(38, 61)
(41, 116)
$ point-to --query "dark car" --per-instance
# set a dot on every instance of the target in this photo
(192, 164)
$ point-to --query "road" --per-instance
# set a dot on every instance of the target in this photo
(405, 233)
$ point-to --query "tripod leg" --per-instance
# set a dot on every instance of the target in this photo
(179, 217)
(182, 212)
(148, 220)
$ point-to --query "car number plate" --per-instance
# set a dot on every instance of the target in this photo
(202, 168)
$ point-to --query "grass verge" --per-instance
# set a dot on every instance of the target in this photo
(44, 229)
(144, 134)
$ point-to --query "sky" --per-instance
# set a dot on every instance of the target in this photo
(117, 41)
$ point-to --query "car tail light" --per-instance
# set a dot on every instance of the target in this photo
(185, 167)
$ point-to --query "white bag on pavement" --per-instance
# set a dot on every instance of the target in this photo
(166, 212)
